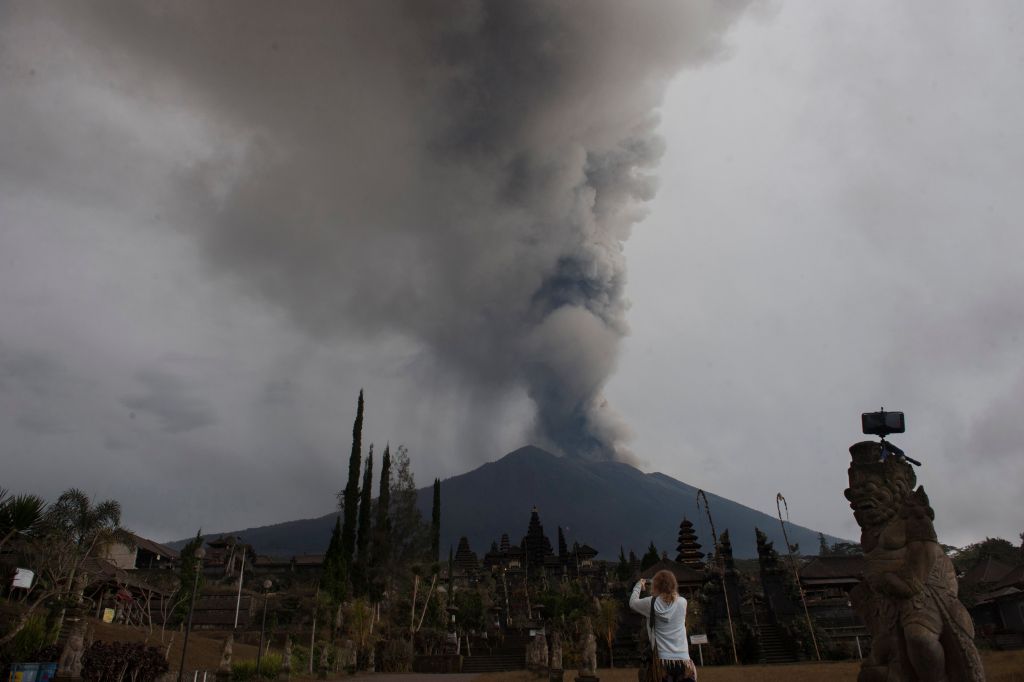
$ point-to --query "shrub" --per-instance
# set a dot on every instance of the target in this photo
(396, 656)
(31, 639)
(270, 668)
(122, 660)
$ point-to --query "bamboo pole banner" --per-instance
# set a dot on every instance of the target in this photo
(721, 572)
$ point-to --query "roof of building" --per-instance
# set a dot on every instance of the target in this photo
(1013, 578)
(843, 567)
(154, 547)
(308, 559)
(683, 574)
(988, 570)
(996, 595)
(586, 551)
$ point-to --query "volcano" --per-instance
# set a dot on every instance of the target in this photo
(604, 504)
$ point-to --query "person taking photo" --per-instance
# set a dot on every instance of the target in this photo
(665, 609)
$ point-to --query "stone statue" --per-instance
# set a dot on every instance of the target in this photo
(588, 653)
(555, 673)
(347, 656)
(70, 662)
(225, 654)
(286, 659)
(908, 596)
(223, 673)
(324, 665)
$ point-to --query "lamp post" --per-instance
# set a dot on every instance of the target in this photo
(198, 555)
(263, 626)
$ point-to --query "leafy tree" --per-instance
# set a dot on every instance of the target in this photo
(995, 548)
(350, 495)
(410, 540)
(823, 547)
(360, 618)
(606, 622)
(650, 558)
(471, 615)
(846, 549)
(360, 574)
(435, 522)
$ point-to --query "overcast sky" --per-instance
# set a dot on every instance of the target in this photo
(215, 229)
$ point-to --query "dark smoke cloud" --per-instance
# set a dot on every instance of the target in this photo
(460, 173)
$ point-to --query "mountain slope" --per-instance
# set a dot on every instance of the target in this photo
(603, 504)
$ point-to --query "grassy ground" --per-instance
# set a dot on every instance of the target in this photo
(1000, 666)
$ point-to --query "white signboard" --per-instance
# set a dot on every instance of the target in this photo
(698, 639)
(23, 578)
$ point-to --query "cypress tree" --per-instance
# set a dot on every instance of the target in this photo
(435, 523)
(350, 496)
(382, 528)
(623, 570)
(334, 578)
(360, 574)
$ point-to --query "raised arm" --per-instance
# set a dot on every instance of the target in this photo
(641, 605)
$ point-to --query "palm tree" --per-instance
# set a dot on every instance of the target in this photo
(85, 529)
(20, 515)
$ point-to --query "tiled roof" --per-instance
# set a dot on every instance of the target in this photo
(683, 574)
(995, 595)
(1013, 578)
(154, 547)
(988, 570)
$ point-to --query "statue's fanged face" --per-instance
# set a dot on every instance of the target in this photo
(872, 500)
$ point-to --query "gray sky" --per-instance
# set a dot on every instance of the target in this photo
(185, 326)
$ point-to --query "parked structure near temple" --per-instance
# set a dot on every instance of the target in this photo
(908, 597)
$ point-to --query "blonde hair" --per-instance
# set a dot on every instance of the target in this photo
(665, 586)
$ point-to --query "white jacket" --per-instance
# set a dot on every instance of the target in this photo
(670, 626)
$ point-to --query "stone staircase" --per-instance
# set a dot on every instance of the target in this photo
(509, 655)
(774, 649)
(1009, 640)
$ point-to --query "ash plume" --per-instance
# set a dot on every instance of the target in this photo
(463, 174)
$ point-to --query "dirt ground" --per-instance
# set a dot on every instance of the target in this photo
(204, 654)
(203, 651)
(1000, 666)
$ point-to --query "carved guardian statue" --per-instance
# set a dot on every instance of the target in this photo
(908, 596)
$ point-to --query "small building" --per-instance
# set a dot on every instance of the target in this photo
(998, 611)
(827, 581)
(140, 554)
